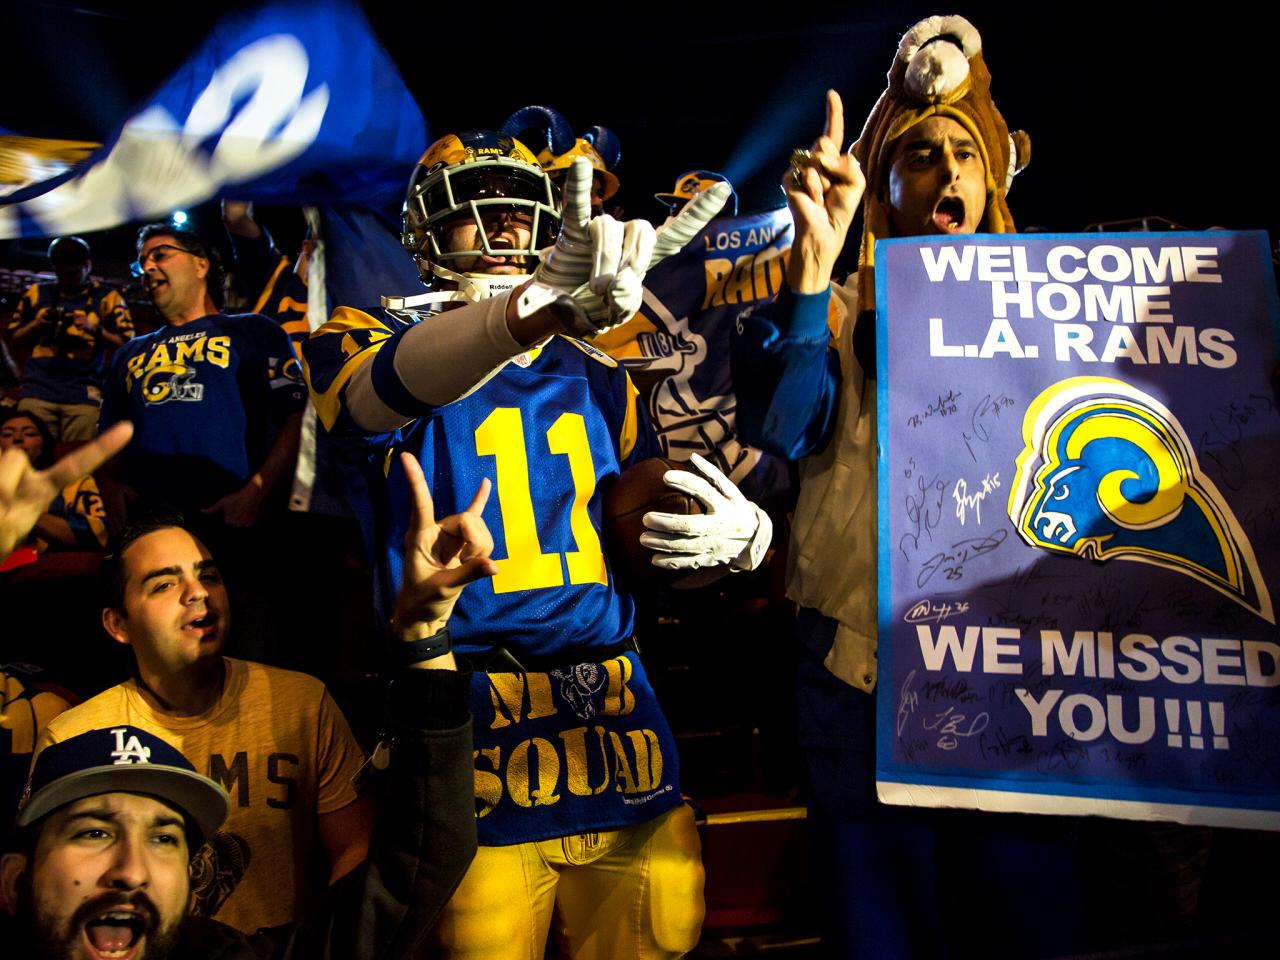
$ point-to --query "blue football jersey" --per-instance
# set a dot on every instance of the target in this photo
(550, 430)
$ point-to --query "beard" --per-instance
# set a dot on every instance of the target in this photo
(49, 940)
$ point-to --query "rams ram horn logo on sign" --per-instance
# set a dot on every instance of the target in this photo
(1107, 473)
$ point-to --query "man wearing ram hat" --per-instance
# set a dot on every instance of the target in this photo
(934, 157)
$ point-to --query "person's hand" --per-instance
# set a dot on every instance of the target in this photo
(237, 216)
(625, 289)
(242, 508)
(597, 265)
(440, 557)
(733, 531)
(823, 195)
(25, 492)
(601, 262)
(87, 325)
(674, 235)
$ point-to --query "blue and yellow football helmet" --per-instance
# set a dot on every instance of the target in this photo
(473, 174)
(689, 185)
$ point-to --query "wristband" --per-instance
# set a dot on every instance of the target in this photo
(536, 296)
(408, 652)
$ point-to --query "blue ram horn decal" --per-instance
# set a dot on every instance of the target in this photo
(606, 143)
(549, 122)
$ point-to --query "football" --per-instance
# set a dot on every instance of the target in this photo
(637, 491)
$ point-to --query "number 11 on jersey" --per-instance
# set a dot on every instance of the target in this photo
(526, 567)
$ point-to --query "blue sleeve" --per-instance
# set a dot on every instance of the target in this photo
(333, 354)
(389, 386)
(786, 377)
(113, 407)
(615, 394)
(646, 444)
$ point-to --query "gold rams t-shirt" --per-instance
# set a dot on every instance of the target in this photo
(281, 748)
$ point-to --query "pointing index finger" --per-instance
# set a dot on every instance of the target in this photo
(476, 507)
(576, 211)
(424, 509)
(835, 120)
(89, 457)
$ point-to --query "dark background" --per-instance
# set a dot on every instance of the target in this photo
(1133, 110)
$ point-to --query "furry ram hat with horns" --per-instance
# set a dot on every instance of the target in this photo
(938, 71)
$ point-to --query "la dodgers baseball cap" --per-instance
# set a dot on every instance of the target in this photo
(122, 759)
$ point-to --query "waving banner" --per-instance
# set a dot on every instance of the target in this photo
(1078, 525)
(677, 347)
(293, 103)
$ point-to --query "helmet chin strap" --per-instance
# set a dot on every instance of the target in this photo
(468, 288)
(481, 286)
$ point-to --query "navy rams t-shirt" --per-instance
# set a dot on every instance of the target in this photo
(206, 399)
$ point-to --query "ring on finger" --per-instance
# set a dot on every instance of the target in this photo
(801, 158)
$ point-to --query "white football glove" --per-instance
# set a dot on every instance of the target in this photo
(600, 263)
(733, 531)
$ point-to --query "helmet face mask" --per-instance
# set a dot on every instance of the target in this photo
(474, 176)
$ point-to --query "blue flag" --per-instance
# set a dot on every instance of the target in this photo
(364, 258)
(293, 103)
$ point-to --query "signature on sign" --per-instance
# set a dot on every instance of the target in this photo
(930, 611)
(966, 501)
(951, 562)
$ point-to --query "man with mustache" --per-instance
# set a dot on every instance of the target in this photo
(104, 839)
(935, 157)
(273, 738)
(112, 816)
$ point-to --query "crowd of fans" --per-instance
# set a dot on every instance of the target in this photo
(119, 597)
(153, 549)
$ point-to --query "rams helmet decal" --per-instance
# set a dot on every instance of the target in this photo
(170, 381)
(281, 370)
(1107, 473)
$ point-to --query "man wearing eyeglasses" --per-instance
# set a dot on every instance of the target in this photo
(216, 400)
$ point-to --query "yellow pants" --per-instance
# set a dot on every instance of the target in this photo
(617, 895)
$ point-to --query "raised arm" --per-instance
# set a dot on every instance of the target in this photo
(25, 492)
(824, 187)
(440, 558)
(424, 836)
(785, 378)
